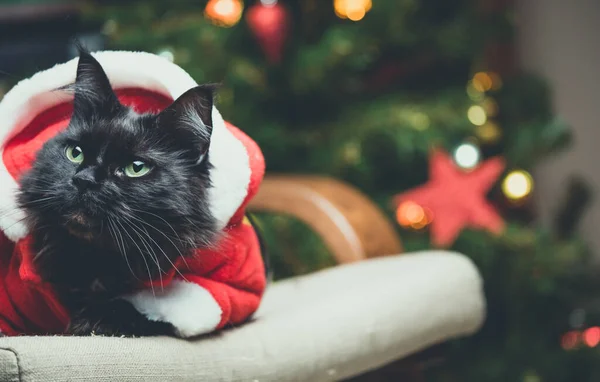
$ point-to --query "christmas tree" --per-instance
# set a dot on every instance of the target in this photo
(420, 104)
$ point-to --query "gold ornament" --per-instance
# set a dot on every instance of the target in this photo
(225, 13)
(354, 10)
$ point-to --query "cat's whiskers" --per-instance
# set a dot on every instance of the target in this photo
(151, 251)
(32, 203)
(164, 253)
(141, 254)
(162, 233)
(20, 220)
(10, 212)
(167, 237)
(14, 224)
(146, 244)
(40, 252)
(143, 229)
(113, 232)
(166, 222)
(40, 186)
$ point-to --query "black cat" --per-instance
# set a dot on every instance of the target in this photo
(116, 199)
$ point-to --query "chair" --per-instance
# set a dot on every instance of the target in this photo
(376, 307)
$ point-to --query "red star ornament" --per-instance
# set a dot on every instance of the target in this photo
(457, 197)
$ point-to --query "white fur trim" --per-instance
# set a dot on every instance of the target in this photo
(191, 309)
(231, 171)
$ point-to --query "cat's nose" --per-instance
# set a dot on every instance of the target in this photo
(85, 179)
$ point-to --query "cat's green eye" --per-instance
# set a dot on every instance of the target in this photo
(136, 169)
(74, 154)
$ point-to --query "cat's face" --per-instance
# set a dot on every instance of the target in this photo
(124, 180)
(99, 171)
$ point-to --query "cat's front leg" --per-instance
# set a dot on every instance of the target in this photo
(115, 318)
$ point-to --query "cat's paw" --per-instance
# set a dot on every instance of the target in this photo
(84, 328)
(80, 327)
(117, 319)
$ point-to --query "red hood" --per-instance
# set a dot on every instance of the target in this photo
(33, 112)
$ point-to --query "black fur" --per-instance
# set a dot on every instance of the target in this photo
(99, 234)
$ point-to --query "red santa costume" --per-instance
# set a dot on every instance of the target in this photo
(224, 286)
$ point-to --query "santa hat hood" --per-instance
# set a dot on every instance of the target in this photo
(34, 111)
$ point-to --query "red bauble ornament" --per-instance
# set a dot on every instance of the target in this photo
(456, 198)
(269, 20)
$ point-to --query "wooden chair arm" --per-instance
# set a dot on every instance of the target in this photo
(352, 227)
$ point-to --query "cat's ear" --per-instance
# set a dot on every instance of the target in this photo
(93, 92)
(189, 119)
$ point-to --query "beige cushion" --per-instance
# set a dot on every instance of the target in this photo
(326, 326)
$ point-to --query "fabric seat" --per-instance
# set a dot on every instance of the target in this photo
(326, 326)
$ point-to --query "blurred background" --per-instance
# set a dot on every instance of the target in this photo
(495, 99)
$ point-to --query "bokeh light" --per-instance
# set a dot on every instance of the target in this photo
(473, 93)
(591, 336)
(224, 13)
(496, 80)
(489, 132)
(482, 81)
(490, 106)
(419, 121)
(167, 54)
(352, 152)
(517, 185)
(411, 215)
(476, 115)
(531, 376)
(569, 340)
(354, 10)
(467, 155)
(577, 318)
